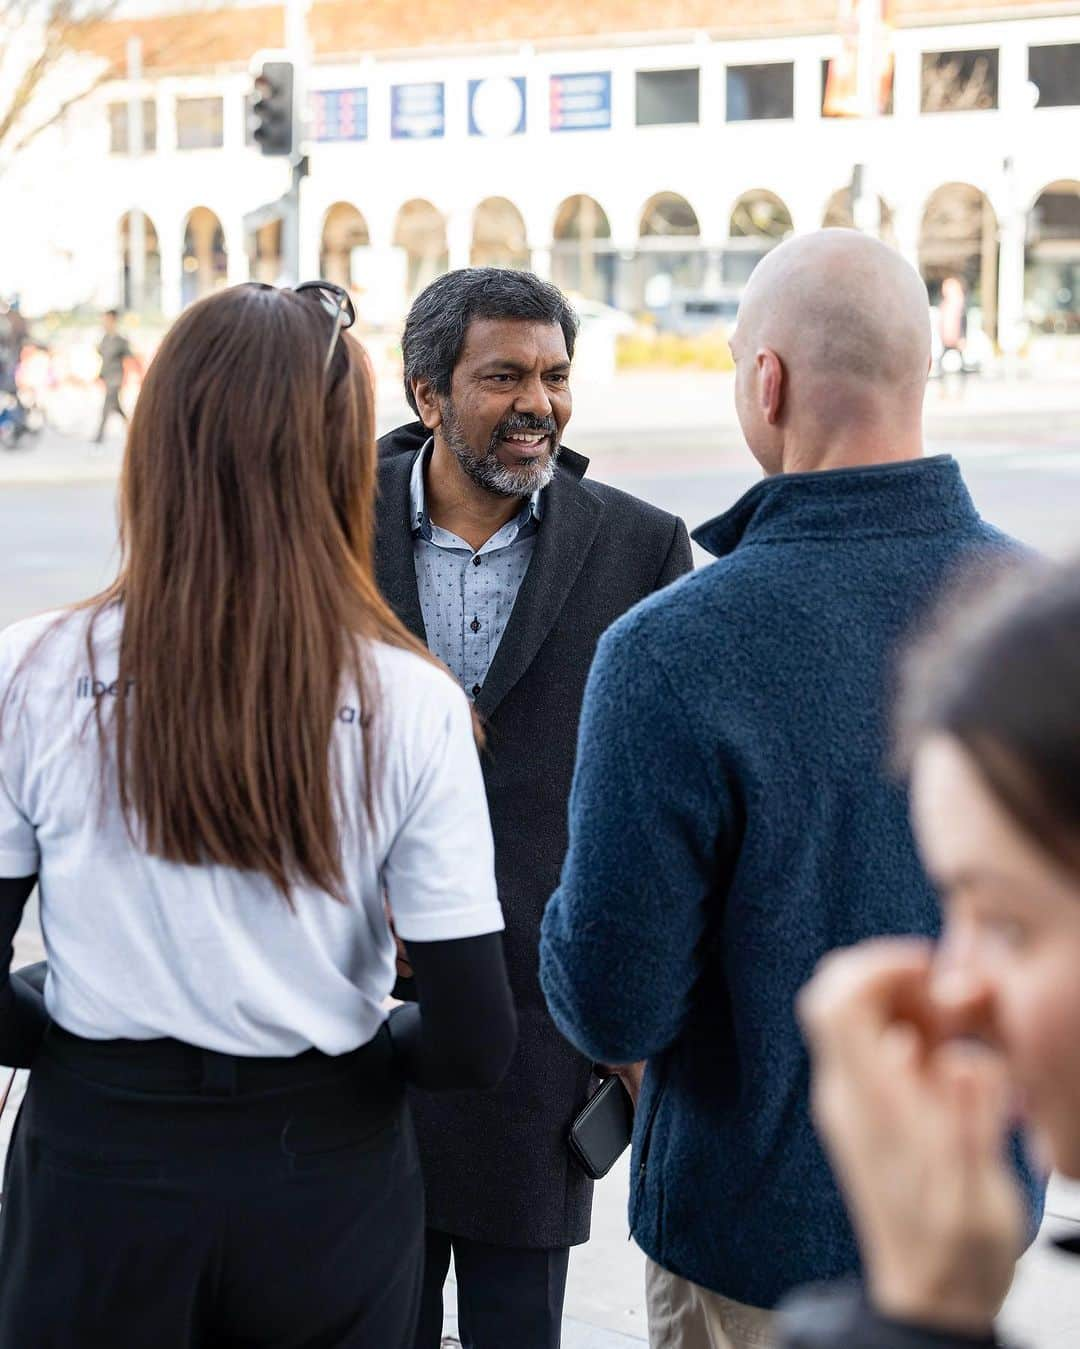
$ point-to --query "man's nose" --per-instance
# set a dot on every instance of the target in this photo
(533, 397)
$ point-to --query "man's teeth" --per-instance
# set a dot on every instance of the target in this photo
(522, 438)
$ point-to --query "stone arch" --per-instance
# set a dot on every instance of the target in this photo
(1052, 258)
(420, 229)
(582, 257)
(958, 240)
(344, 228)
(151, 269)
(498, 235)
(205, 256)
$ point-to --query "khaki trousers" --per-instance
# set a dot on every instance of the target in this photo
(684, 1316)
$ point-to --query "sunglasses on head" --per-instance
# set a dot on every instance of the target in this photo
(338, 304)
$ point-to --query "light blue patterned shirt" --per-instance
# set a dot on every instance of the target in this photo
(466, 597)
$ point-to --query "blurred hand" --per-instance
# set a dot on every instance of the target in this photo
(630, 1074)
(916, 1124)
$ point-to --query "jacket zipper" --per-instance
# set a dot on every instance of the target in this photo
(646, 1144)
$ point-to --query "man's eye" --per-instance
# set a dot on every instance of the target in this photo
(559, 379)
(502, 379)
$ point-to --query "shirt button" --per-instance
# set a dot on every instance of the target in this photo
(475, 625)
(476, 562)
(476, 690)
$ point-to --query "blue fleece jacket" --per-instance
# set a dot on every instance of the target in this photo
(732, 820)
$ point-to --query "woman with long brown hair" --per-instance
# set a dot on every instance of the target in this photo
(219, 771)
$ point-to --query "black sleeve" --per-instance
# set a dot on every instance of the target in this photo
(463, 1029)
(838, 1316)
(679, 559)
(22, 1008)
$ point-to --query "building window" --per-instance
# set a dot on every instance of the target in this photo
(199, 123)
(960, 81)
(667, 97)
(885, 108)
(118, 127)
(1056, 71)
(761, 93)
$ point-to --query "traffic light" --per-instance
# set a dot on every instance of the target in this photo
(273, 108)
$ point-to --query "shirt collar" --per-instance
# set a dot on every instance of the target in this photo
(418, 516)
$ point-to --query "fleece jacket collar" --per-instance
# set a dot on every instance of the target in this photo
(920, 496)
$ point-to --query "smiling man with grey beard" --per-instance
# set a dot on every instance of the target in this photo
(493, 549)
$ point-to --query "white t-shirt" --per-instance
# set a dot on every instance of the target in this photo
(139, 947)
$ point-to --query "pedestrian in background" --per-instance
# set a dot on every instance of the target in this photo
(732, 819)
(216, 770)
(115, 351)
(924, 1055)
(494, 549)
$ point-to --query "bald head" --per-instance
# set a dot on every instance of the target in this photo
(840, 304)
(847, 321)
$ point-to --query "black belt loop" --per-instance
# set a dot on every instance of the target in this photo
(218, 1073)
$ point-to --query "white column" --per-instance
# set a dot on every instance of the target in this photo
(907, 82)
(808, 89)
(237, 263)
(1011, 283)
(540, 260)
(459, 237)
(907, 225)
(171, 244)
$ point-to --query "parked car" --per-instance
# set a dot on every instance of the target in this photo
(691, 313)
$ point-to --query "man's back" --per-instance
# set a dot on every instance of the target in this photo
(763, 831)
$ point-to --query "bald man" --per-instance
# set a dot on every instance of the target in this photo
(732, 816)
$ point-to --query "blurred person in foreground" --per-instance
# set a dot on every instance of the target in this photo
(115, 351)
(496, 550)
(214, 770)
(924, 1056)
(732, 817)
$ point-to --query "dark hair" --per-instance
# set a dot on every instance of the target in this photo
(248, 587)
(1001, 674)
(440, 317)
(112, 313)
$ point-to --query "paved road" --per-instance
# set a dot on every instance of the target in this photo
(57, 543)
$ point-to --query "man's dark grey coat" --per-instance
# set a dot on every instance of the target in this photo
(496, 1164)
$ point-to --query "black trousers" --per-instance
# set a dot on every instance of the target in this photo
(157, 1195)
(508, 1297)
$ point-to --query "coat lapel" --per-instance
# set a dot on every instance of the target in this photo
(395, 569)
(570, 523)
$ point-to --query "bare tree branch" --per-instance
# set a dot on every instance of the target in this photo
(50, 36)
(48, 31)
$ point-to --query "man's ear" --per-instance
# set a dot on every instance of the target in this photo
(771, 378)
(428, 403)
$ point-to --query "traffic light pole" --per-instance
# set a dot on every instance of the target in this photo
(297, 43)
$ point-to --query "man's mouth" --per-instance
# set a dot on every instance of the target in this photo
(526, 444)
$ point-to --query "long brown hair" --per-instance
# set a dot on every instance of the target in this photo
(248, 589)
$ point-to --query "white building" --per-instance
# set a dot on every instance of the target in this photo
(604, 158)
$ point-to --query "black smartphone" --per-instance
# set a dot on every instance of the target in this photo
(601, 1133)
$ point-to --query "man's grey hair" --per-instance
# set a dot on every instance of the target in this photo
(440, 317)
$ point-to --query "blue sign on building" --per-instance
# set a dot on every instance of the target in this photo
(581, 102)
(497, 106)
(417, 111)
(339, 114)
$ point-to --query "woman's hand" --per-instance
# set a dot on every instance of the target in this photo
(916, 1124)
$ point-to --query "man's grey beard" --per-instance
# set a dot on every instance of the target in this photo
(487, 470)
